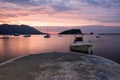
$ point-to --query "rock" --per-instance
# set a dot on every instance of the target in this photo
(60, 66)
(71, 31)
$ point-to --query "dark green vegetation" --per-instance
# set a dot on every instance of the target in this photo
(6, 29)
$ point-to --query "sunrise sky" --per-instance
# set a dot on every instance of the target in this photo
(60, 12)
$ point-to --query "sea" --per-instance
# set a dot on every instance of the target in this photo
(107, 46)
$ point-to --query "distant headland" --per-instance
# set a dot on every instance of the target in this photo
(6, 29)
(71, 31)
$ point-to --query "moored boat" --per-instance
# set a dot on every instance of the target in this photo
(80, 46)
(47, 36)
(27, 35)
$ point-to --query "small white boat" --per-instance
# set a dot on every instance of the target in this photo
(80, 46)
(47, 36)
(27, 35)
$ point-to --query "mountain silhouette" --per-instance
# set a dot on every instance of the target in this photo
(6, 29)
(71, 31)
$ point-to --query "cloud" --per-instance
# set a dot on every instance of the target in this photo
(20, 2)
(61, 8)
(101, 3)
(8, 15)
(110, 19)
(103, 11)
(67, 3)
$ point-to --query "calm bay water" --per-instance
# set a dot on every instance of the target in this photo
(105, 46)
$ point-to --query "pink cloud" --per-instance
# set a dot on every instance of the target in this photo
(61, 12)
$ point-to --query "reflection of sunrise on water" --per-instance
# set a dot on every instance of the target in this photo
(105, 46)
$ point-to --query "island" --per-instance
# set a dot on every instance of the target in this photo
(71, 31)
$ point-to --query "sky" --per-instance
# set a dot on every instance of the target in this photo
(60, 12)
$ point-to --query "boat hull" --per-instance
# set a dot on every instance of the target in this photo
(27, 35)
(82, 48)
(47, 36)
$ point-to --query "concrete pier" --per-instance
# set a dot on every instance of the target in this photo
(60, 66)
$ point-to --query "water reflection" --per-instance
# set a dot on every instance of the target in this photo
(106, 46)
(18, 46)
(13, 47)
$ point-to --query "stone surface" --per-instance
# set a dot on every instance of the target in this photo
(60, 66)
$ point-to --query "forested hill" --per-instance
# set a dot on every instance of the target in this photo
(6, 29)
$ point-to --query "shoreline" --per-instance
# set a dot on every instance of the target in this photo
(12, 59)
